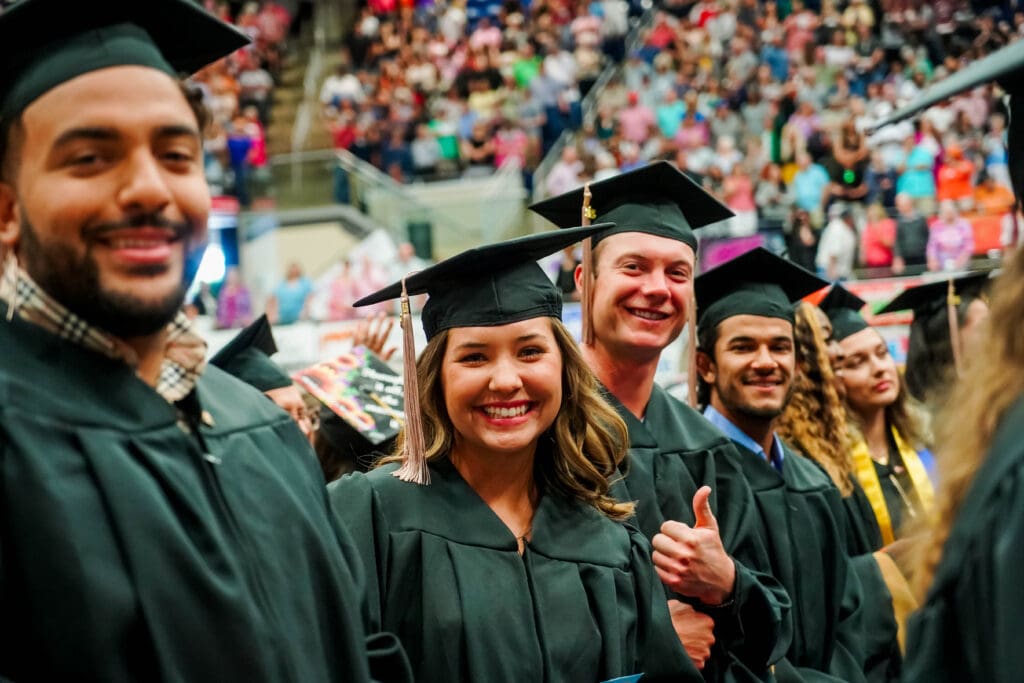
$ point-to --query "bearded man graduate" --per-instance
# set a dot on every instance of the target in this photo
(692, 499)
(746, 359)
(155, 520)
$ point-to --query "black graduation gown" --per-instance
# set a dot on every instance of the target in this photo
(582, 604)
(133, 550)
(802, 523)
(970, 627)
(863, 540)
(672, 453)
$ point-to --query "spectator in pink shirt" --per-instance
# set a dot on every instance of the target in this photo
(635, 121)
(805, 119)
(693, 131)
(565, 173)
(510, 142)
(738, 191)
(950, 240)
(485, 36)
(234, 307)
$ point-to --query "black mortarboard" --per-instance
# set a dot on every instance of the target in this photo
(487, 286)
(365, 398)
(247, 357)
(496, 284)
(1005, 66)
(44, 43)
(931, 297)
(755, 283)
(843, 309)
(931, 301)
(656, 199)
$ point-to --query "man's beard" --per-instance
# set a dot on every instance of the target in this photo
(731, 398)
(74, 281)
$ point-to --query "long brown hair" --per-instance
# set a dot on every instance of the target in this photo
(578, 456)
(814, 421)
(974, 409)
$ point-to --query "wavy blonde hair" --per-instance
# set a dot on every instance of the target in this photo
(815, 420)
(577, 457)
(974, 409)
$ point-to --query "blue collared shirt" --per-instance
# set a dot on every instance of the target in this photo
(740, 437)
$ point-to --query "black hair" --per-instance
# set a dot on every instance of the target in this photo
(707, 337)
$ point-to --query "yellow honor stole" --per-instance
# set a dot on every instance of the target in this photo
(864, 467)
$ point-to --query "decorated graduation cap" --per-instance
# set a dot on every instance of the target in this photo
(247, 357)
(755, 283)
(942, 297)
(1003, 66)
(843, 307)
(656, 199)
(488, 286)
(44, 43)
(363, 400)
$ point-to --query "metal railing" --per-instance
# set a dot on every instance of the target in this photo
(317, 178)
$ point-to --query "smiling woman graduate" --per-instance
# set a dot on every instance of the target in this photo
(496, 552)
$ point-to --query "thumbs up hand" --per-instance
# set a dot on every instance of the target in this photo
(691, 560)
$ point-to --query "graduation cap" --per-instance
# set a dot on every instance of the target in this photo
(755, 283)
(44, 43)
(934, 298)
(488, 286)
(656, 199)
(247, 357)
(1004, 66)
(843, 309)
(363, 400)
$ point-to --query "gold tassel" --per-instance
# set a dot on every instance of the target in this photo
(691, 352)
(414, 466)
(952, 301)
(586, 300)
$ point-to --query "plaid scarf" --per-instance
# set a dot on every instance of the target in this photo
(184, 354)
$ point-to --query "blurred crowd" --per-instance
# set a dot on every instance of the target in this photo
(432, 90)
(238, 92)
(771, 105)
(298, 297)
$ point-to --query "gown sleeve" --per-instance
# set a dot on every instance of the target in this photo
(995, 598)
(363, 537)
(756, 629)
(660, 654)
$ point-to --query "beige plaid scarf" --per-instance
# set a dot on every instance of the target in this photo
(184, 356)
